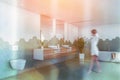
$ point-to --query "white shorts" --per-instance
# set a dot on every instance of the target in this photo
(95, 53)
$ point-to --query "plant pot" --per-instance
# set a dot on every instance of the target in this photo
(81, 56)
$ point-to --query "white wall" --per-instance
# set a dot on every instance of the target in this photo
(16, 23)
(70, 32)
(109, 31)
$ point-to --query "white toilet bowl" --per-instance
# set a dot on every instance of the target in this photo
(18, 64)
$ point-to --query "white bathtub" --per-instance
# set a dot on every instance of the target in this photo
(107, 56)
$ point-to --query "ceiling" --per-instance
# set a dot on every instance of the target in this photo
(77, 12)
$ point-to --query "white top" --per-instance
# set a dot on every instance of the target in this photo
(94, 42)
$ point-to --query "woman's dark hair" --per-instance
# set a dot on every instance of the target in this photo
(93, 31)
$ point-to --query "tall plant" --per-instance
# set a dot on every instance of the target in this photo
(79, 44)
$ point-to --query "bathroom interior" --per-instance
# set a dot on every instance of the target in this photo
(41, 36)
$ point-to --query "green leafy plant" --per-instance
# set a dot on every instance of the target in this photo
(79, 44)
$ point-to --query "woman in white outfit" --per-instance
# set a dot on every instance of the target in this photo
(94, 50)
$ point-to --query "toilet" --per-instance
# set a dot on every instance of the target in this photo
(18, 64)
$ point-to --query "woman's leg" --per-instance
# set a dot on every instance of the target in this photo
(91, 64)
(98, 64)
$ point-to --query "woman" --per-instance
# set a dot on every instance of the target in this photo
(94, 50)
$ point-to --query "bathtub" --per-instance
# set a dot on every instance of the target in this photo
(107, 56)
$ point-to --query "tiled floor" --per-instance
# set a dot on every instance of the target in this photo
(71, 70)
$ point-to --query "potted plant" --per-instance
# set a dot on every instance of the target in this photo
(79, 44)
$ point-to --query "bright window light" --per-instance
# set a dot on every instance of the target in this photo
(54, 26)
(14, 22)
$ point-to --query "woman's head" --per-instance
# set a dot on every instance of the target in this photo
(93, 31)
